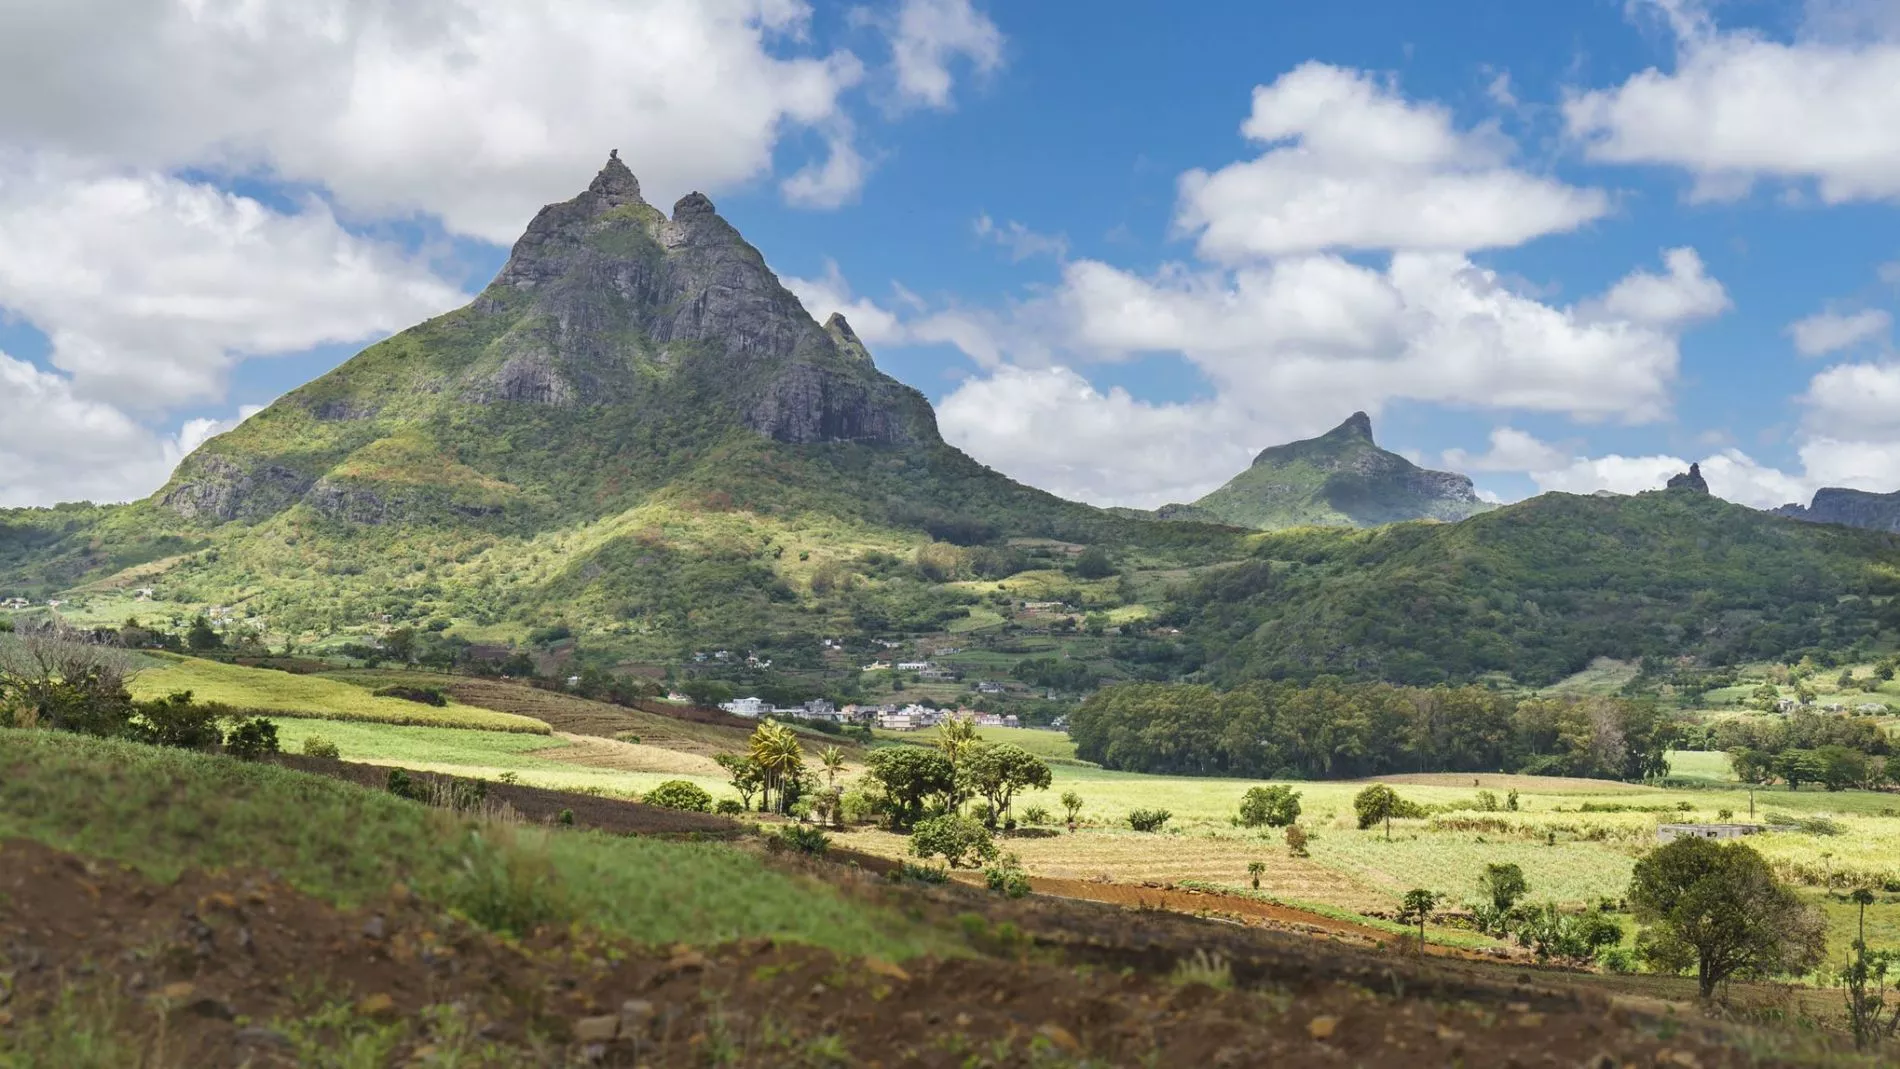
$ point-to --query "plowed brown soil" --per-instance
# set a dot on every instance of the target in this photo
(227, 970)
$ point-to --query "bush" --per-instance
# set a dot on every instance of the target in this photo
(318, 746)
(1035, 815)
(1007, 877)
(566, 817)
(799, 839)
(423, 695)
(680, 794)
(860, 806)
(1148, 819)
(175, 720)
(960, 841)
(507, 882)
(252, 739)
(729, 807)
(1272, 807)
(906, 871)
(1296, 839)
(401, 785)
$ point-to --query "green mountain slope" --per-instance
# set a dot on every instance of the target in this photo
(1339, 479)
(634, 427)
(1538, 589)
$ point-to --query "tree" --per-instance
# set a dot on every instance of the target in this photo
(202, 636)
(832, 759)
(1417, 905)
(1093, 563)
(909, 775)
(707, 693)
(954, 737)
(66, 681)
(775, 749)
(747, 778)
(1072, 803)
(1379, 804)
(1503, 884)
(401, 644)
(998, 772)
(960, 841)
(1255, 870)
(1272, 807)
(1720, 903)
(1865, 981)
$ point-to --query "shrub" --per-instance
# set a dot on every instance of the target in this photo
(917, 874)
(566, 817)
(680, 794)
(252, 739)
(1035, 815)
(799, 839)
(1007, 877)
(1273, 807)
(1487, 802)
(1148, 819)
(729, 807)
(423, 695)
(507, 882)
(1255, 870)
(175, 720)
(318, 746)
(401, 785)
(960, 841)
(1296, 839)
(860, 806)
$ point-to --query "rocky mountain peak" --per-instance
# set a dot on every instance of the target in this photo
(845, 338)
(691, 206)
(1690, 480)
(1357, 425)
(615, 182)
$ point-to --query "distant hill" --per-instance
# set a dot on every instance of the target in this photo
(1539, 589)
(1849, 508)
(1339, 479)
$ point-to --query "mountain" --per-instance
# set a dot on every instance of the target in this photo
(1538, 589)
(634, 426)
(1339, 479)
(1849, 508)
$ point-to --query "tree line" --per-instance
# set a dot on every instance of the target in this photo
(1331, 729)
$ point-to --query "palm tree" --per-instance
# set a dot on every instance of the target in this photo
(776, 751)
(832, 759)
(955, 737)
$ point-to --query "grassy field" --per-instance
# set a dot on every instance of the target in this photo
(1576, 840)
(164, 810)
(266, 691)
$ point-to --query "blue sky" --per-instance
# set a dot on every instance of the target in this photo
(1122, 246)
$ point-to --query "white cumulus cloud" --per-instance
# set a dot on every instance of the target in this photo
(1830, 332)
(1352, 164)
(1739, 107)
(150, 288)
(477, 111)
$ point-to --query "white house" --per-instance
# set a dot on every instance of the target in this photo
(747, 707)
(913, 666)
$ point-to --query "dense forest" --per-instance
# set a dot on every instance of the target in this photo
(1330, 729)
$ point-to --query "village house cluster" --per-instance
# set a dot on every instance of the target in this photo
(888, 717)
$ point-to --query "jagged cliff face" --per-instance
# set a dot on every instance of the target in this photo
(617, 344)
(1849, 508)
(1341, 478)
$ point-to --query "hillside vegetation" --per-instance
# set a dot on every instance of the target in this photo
(1540, 589)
